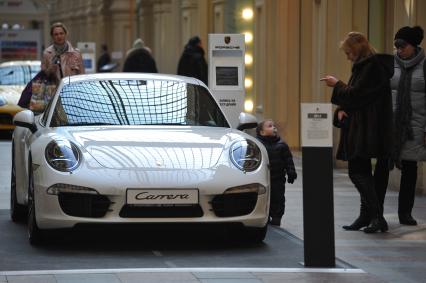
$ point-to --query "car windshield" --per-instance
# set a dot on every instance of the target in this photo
(17, 75)
(136, 102)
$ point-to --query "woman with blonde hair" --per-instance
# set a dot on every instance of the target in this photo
(364, 114)
(61, 58)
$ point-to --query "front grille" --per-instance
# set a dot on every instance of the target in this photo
(187, 211)
(6, 119)
(84, 205)
(228, 205)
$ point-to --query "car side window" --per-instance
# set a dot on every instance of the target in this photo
(46, 113)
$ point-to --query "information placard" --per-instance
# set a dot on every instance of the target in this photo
(88, 53)
(317, 129)
(226, 73)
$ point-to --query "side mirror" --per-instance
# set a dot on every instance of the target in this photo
(246, 121)
(25, 119)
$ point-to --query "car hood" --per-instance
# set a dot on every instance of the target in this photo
(155, 148)
(11, 93)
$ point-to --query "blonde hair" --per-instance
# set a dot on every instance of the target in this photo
(358, 45)
(58, 25)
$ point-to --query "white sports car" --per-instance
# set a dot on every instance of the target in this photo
(136, 148)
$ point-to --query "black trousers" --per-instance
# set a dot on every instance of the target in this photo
(360, 173)
(277, 205)
(407, 188)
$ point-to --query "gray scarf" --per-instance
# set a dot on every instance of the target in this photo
(403, 130)
(59, 50)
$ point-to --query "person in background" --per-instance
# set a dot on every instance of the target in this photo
(408, 93)
(104, 59)
(281, 164)
(364, 114)
(61, 58)
(139, 59)
(192, 62)
(25, 98)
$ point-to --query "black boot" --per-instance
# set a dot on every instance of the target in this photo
(381, 179)
(385, 224)
(377, 224)
(363, 219)
(360, 222)
(382, 218)
(407, 219)
(407, 192)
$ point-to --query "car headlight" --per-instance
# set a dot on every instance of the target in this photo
(3, 100)
(246, 155)
(62, 155)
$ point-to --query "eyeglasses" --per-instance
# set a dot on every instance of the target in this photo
(400, 43)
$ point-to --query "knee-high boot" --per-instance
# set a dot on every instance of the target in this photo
(365, 185)
(363, 219)
(381, 179)
(407, 192)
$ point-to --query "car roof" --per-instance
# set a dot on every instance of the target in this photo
(131, 76)
(20, 63)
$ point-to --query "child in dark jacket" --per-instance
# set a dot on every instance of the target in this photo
(281, 163)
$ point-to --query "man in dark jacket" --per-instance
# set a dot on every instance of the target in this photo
(139, 59)
(192, 62)
(104, 59)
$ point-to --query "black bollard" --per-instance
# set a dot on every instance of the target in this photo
(318, 208)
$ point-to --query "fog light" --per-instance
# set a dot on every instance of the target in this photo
(65, 188)
(250, 188)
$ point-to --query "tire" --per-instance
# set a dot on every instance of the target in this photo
(35, 235)
(246, 235)
(17, 211)
(255, 235)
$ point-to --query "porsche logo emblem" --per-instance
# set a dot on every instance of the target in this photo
(227, 39)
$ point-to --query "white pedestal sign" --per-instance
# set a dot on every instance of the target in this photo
(317, 129)
(226, 73)
(88, 52)
(317, 164)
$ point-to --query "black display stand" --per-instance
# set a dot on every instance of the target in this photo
(318, 208)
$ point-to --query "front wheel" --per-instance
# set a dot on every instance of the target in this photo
(250, 235)
(255, 235)
(17, 211)
(35, 235)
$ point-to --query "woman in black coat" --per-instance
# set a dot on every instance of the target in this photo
(365, 115)
(192, 62)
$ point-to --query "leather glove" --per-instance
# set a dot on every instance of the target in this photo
(291, 178)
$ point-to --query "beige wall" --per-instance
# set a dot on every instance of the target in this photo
(277, 67)
(99, 21)
(27, 15)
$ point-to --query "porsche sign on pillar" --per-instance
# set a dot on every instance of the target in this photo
(226, 73)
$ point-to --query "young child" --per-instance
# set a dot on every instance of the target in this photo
(281, 163)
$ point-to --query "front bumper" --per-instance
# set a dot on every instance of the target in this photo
(67, 210)
(50, 215)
